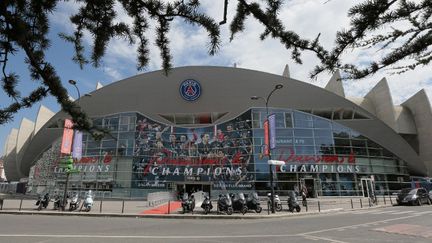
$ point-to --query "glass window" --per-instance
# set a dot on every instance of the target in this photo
(305, 141)
(325, 149)
(322, 133)
(288, 119)
(321, 123)
(280, 121)
(284, 132)
(302, 132)
(359, 151)
(124, 120)
(342, 142)
(324, 140)
(109, 143)
(358, 143)
(303, 123)
(304, 149)
(343, 150)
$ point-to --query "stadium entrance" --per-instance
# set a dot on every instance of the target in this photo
(191, 187)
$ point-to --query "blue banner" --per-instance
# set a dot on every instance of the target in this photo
(77, 145)
(272, 128)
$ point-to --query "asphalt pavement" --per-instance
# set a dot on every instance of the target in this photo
(387, 224)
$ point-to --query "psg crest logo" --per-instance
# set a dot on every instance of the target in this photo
(190, 89)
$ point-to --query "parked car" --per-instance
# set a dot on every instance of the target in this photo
(417, 196)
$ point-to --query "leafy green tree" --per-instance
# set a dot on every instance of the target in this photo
(24, 27)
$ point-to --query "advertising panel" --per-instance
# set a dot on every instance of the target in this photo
(220, 154)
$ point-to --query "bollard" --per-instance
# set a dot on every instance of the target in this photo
(361, 204)
(385, 203)
(391, 202)
(352, 205)
(306, 206)
(123, 206)
(169, 206)
(100, 208)
(319, 206)
(268, 208)
(1, 204)
(20, 204)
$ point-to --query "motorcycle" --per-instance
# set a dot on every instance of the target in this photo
(88, 201)
(293, 202)
(277, 202)
(43, 202)
(253, 203)
(74, 203)
(225, 204)
(239, 202)
(188, 203)
(58, 202)
(206, 204)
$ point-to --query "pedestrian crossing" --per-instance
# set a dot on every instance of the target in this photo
(402, 212)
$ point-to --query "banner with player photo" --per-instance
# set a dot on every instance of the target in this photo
(221, 154)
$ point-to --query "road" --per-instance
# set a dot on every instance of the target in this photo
(392, 224)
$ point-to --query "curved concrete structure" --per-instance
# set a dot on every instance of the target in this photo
(228, 90)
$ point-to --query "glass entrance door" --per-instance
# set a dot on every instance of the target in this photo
(367, 187)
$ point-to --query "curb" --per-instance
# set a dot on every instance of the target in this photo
(189, 216)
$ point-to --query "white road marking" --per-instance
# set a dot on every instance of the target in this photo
(403, 212)
(384, 212)
(323, 238)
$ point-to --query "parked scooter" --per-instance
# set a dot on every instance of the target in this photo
(188, 203)
(58, 202)
(43, 201)
(225, 204)
(239, 202)
(293, 202)
(74, 203)
(88, 201)
(206, 204)
(277, 202)
(253, 203)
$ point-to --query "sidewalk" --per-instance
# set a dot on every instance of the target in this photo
(109, 208)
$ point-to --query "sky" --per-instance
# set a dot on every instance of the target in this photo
(189, 45)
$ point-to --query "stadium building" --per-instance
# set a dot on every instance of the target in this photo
(199, 129)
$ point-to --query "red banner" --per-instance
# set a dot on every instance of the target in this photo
(66, 145)
(266, 138)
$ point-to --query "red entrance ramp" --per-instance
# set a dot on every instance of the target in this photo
(163, 209)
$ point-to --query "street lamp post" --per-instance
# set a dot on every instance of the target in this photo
(278, 86)
(68, 172)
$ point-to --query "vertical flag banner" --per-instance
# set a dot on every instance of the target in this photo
(272, 128)
(77, 145)
(66, 145)
(266, 138)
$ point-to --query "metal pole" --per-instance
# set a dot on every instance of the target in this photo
(319, 206)
(169, 206)
(20, 204)
(384, 200)
(65, 191)
(352, 205)
(100, 208)
(361, 204)
(123, 206)
(278, 86)
(269, 157)
(391, 202)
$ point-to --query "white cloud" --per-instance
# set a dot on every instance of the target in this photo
(189, 46)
